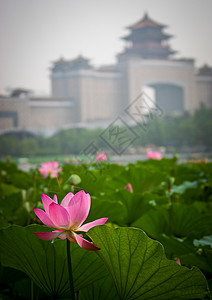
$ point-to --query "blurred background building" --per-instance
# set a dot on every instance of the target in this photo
(83, 95)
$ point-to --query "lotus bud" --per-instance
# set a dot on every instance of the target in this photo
(129, 187)
(74, 179)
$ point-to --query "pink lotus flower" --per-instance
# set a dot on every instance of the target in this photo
(154, 155)
(129, 187)
(178, 261)
(49, 168)
(101, 156)
(67, 218)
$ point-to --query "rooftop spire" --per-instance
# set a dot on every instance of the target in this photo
(146, 16)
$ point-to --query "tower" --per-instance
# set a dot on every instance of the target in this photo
(147, 62)
(147, 40)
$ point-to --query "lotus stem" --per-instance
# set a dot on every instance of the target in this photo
(71, 283)
(32, 290)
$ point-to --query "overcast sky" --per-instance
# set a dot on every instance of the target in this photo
(33, 33)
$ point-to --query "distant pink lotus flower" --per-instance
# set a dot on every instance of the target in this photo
(49, 168)
(129, 187)
(101, 156)
(154, 155)
(178, 262)
(67, 218)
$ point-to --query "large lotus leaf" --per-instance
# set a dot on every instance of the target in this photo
(114, 210)
(202, 194)
(140, 269)
(8, 166)
(7, 189)
(10, 202)
(136, 204)
(102, 289)
(9, 275)
(175, 247)
(112, 178)
(22, 180)
(14, 176)
(188, 172)
(155, 199)
(45, 262)
(165, 164)
(185, 250)
(102, 177)
(94, 178)
(143, 178)
(112, 173)
(12, 210)
(202, 259)
(68, 170)
(186, 219)
(154, 222)
(202, 207)
(177, 219)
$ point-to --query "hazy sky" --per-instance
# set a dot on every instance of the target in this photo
(33, 33)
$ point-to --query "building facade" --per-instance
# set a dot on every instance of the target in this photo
(82, 94)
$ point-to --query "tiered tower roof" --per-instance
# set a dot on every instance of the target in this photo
(146, 21)
(64, 65)
(148, 40)
(205, 71)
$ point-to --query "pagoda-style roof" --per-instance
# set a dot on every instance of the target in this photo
(149, 52)
(148, 40)
(80, 58)
(60, 60)
(63, 65)
(205, 71)
(80, 62)
(155, 35)
(146, 21)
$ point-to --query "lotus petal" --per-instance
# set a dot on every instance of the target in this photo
(78, 209)
(85, 244)
(90, 225)
(66, 199)
(59, 216)
(44, 217)
(46, 202)
(48, 236)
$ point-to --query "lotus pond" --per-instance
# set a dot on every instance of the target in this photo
(155, 244)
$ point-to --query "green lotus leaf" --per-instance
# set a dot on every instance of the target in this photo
(45, 262)
(139, 268)
(103, 289)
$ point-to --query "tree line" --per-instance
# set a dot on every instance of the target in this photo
(169, 131)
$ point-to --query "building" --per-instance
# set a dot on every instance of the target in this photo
(83, 95)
